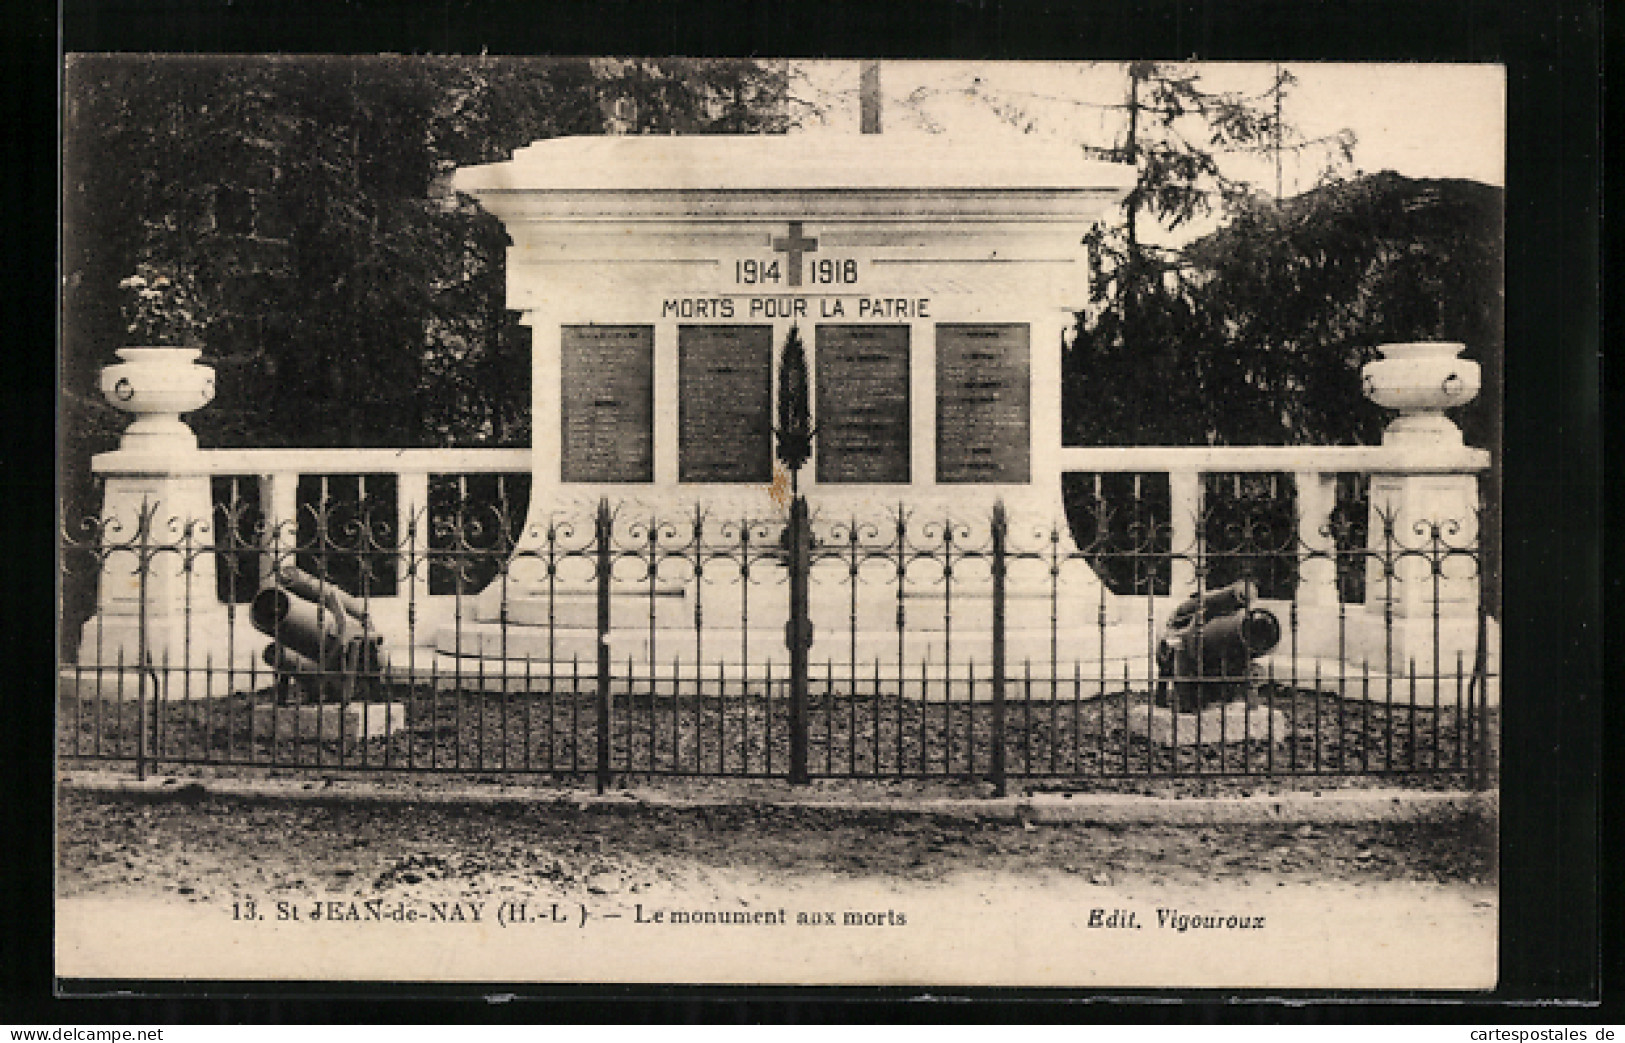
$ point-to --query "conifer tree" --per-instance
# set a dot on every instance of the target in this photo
(1130, 372)
(794, 431)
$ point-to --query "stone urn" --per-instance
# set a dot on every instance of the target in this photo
(157, 385)
(1421, 380)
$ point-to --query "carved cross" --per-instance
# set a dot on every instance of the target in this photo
(795, 244)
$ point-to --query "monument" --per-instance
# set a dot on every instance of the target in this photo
(931, 281)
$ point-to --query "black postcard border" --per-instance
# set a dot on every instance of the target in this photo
(1552, 792)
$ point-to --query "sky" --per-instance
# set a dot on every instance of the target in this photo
(1420, 120)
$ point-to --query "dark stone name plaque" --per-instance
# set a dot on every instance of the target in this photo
(608, 403)
(863, 403)
(984, 399)
(725, 403)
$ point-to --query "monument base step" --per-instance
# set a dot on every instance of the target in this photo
(578, 609)
(961, 683)
(1074, 676)
(832, 644)
(673, 607)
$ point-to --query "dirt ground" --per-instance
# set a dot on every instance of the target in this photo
(178, 882)
(203, 847)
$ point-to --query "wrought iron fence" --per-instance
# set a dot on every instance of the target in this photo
(795, 644)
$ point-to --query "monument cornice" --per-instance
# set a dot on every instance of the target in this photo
(793, 163)
(980, 205)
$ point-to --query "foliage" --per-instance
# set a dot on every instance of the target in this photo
(351, 298)
(1255, 334)
(1176, 133)
(1305, 292)
(158, 307)
(1144, 365)
(1178, 177)
(1259, 336)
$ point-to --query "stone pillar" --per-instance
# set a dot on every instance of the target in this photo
(1049, 332)
(1424, 531)
(546, 436)
(1317, 562)
(1184, 520)
(157, 587)
(413, 524)
(1417, 518)
(279, 500)
(1421, 580)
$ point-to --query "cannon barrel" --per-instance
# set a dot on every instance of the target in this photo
(1225, 601)
(311, 588)
(321, 639)
(285, 660)
(1222, 646)
(370, 657)
(1251, 634)
(1260, 632)
(1212, 640)
(316, 632)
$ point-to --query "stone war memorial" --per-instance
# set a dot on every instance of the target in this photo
(954, 556)
(932, 285)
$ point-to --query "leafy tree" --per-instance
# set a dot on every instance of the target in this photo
(353, 298)
(1255, 334)
(1306, 289)
(1129, 372)
(1258, 337)
(349, 297)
